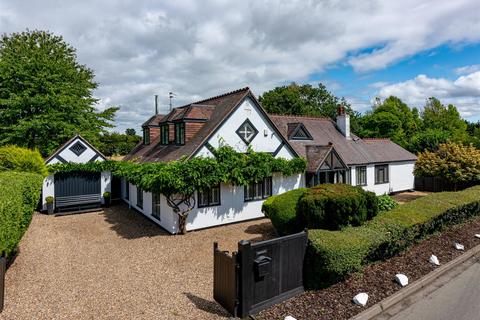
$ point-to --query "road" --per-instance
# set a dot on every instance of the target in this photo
(454, 296)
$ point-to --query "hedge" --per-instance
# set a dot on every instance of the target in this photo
(282, 211)
(332, 255)
(19, 195)
(334, 206)
(13, 158)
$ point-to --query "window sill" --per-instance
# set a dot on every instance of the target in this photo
(255, 200)
(386, 182)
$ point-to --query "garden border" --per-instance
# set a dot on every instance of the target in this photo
(388, 302)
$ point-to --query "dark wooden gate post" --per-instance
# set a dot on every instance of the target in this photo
(245, 280)
(3, 269)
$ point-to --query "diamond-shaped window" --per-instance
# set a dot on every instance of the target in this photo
(78, 148)
(247, 131)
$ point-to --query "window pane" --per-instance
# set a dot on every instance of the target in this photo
(139, 197)
(202, 198)
(215, 196)
(267, 187)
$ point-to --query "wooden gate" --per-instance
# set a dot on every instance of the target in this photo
(260, 274)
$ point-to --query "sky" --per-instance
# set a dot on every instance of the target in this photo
(359, 49)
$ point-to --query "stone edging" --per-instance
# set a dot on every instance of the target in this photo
(403, 293)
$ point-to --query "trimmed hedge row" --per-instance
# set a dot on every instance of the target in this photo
(334, 206)
(13, 158)
(332, 255)
(326, 206)
(282, 211)
(19, 194)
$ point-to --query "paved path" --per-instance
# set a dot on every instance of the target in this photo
(117, 265)
(454, 296)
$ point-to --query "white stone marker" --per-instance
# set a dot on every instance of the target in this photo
(477, 235)
(289, 318)
(401, 279)
(458, 246)
(361, 299)
(434, 260)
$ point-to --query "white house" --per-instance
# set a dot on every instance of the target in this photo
(237, 119)
(74, 191)
(335, 155)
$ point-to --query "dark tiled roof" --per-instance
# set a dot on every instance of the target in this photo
(352, 152)
(316, 155)
(214, 109)
(154, 120)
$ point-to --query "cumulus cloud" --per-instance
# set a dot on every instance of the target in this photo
(202, 48)
(463, 92)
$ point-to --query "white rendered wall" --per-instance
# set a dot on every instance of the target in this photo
(232, 207)
(266, 140)
(48, 190)
(401, 178)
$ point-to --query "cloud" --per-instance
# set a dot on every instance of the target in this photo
(467, 69)
(202, 48)
(463, 92)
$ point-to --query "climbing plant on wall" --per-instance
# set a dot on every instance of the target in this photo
(178, 180)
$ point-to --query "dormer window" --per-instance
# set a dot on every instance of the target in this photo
(164, 134)
(180, 133)
(247, 131)
(146, 136)
(298, 132)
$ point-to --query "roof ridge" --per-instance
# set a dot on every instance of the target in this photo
(215, 97)
(299, 116)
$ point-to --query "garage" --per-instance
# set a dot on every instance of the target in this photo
(76, 191)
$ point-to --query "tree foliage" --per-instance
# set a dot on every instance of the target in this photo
(45, 94)
(308, 100)
(114, 143)
(392, 119)
(452, 161)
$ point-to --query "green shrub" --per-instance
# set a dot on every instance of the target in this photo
(282, 211)
(333, 206)
(106, 194)
(49, 199)
(386, 203)
(22, 160)
(332, 255)
(19, 195)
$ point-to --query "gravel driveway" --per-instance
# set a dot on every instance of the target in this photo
(117, 265)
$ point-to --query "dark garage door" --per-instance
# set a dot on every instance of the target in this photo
(77, 190)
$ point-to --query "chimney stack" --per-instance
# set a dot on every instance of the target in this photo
(343, 121)
(156, 104)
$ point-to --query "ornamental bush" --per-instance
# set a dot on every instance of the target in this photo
(332, 255)
(19, 195)
(282, 211)
(333, 206)
(386, 203)
(22, 160)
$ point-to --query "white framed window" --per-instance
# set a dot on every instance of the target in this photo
(139, 198)
(361, 173)
(381, 174)
(208, 197)
(258, 191)
(156, 205)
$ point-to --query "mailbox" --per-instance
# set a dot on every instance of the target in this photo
(262, 266)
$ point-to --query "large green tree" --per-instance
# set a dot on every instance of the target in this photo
(45, 93)
(392, 119)
(447, 118)
(308, 100)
